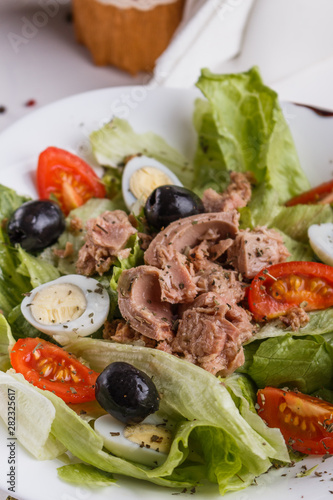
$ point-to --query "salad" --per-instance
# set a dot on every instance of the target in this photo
(218, 435)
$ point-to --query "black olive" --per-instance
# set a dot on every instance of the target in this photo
(36, 225)
(127, 393)
(169, 203)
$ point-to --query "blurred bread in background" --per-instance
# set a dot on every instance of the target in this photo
(129, 34)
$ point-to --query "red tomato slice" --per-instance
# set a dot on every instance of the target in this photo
(68, 178)
(50, 367)
(320, 194)
(279, 288)
(305, 422)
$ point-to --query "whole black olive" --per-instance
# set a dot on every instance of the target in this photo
(36, 225)
(127, 393)
(169, 203)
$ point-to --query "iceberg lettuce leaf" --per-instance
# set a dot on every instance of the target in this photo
(117, 140)
(297, 249)
(261, 209)
(206, 400)
(210, 170)
(33, 428)
(209, 424)
(321, 323)
(36, 269)
(243, 392)
(295, 221)
(85, 475)
(6, 343)
(253, 135)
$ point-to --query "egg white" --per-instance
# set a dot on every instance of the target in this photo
(135, 164)
(321, 241)
(112, 432)
(94, 315)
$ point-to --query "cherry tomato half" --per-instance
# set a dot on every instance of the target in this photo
(50, 367)
(68, 178)
(305, 422)
(279, 288)
(320, 194)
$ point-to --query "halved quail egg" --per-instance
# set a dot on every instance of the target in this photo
(141, 176)
(147, 443)
(72, 303)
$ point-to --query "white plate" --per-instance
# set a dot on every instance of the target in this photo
(168, 112)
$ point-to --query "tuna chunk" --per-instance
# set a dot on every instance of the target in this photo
(139, 301)
(176, 281)
(254, 250)
(296, 318)
(187, 233)
(237, 195)
(106, 239)
(224, 283)
(120, 331)
(211, 334)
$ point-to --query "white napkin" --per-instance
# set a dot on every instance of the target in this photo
(210, 33)
(284, 37)
(290, 40)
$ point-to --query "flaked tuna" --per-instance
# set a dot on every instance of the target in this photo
(184, 234)
(211, 333)
(120, 331)
(226, 283)
(256, 249)
(237, 194)
(139, 301)
(176, 277)
(106, 240)
(296, 318)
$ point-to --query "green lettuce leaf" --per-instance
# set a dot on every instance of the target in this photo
(30, 272)
(206, 400)
(302, 363)
(243, 392)
(295, 221)
(134, 259)
(210, 170)
(251, 131)
(116, 140)
(34, 268)
(85, 475)
(12, 284)
(21, 328)
(261, 209)
(298, 250)
(33, 428)
(209, 424)
(325, 394)
(9, 201)
(321, 323)
(19, 270)
(6, 343)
